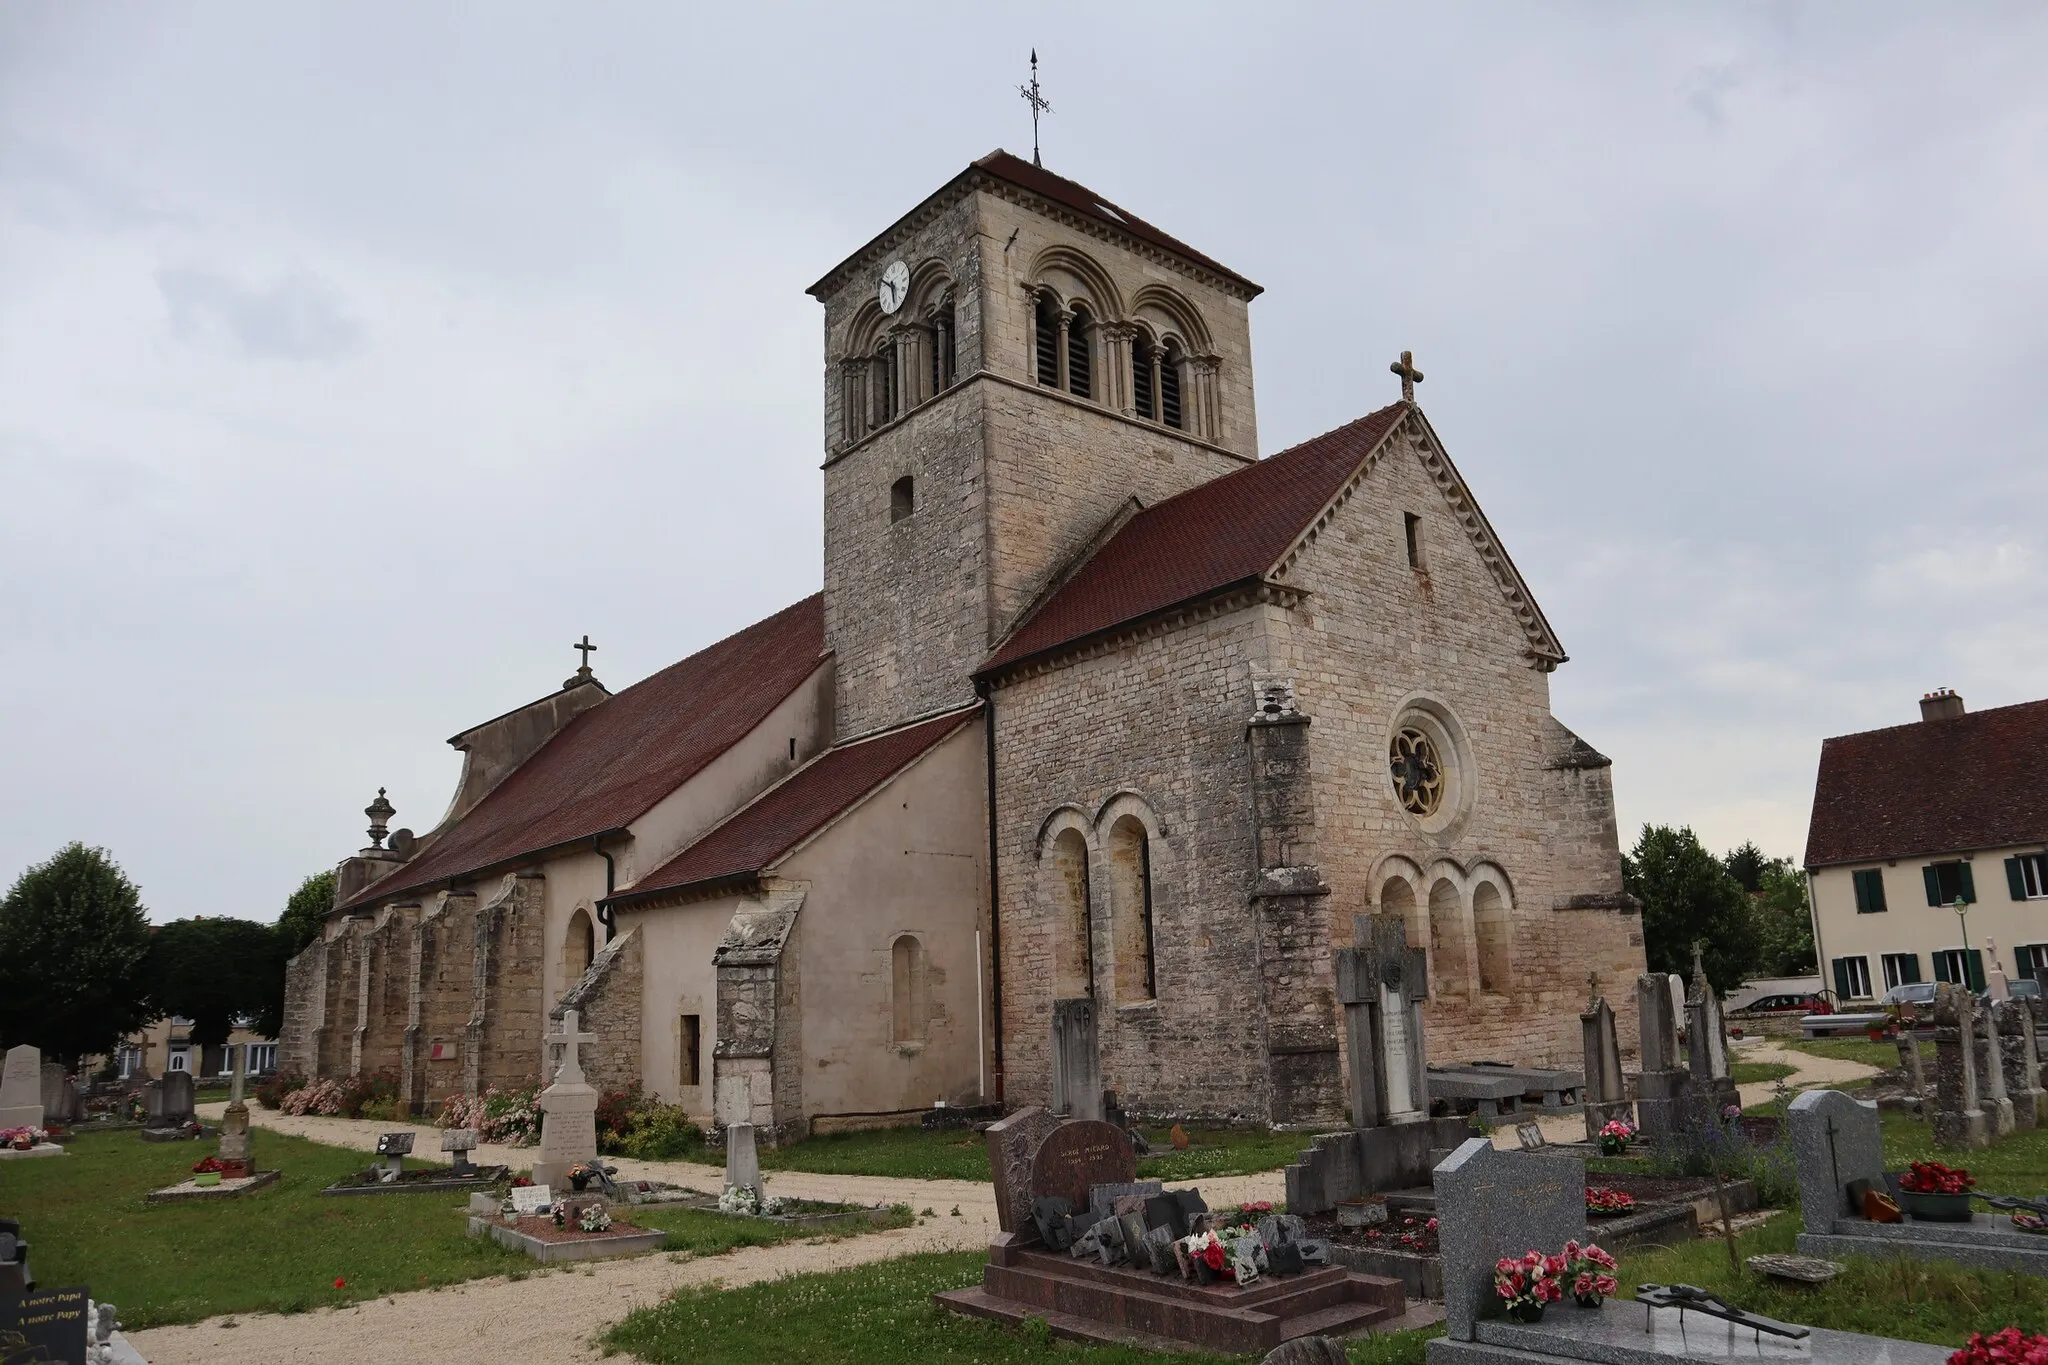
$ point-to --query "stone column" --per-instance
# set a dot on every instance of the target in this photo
(853, 405)
(1206, 398)
(1113, 387)
(1959, 1124)
(1060, 366)
(233, 1150)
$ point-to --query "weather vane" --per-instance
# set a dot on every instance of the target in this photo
(1037, 103)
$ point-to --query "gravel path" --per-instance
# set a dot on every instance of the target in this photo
(553, 1314)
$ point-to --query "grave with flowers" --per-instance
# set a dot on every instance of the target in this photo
(1930, 1212)
(22, 1130)
(1102, 1256)
(1524, 1283)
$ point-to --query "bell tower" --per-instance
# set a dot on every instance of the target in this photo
(1007, 367)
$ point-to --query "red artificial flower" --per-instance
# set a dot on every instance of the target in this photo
(340, 1283)
(1213, 1254)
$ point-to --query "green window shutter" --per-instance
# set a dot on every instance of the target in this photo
(1969, 885)
(1973, 963)
(1841, 978)
(1862, 897)
(1874, 879)
(1941, 967)
(1909, 969)
(2015, 881)
(1933, 884)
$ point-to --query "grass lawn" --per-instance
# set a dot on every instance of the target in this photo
(877, 1314)
(280, 1249)
(1751, 1073)
(958, 1154)
(1884, 1056)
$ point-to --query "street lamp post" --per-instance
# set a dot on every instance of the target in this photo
(1962, 909)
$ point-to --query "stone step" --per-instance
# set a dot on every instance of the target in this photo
(1338, 1320)
(977, 1302)
(1261, 1293)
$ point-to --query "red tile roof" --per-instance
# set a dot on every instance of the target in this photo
(1079, 197)
(1970, 782)
(1226, 531)
(610, 764)
(785, 815)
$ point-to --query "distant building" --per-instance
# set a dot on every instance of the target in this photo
(166, 1045)
(1908, 820)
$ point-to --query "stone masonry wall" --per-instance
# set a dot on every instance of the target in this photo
(342, 1005)
(507, 1017)
(380, 1031)
(1375, 636)
(608, 1003)
(1157, 725)
(445, 989)
(305, 996)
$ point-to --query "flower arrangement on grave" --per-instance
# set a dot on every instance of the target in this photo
(581, 1175)
(212, 1163)
(559, 1212)
(1606, 1203)
(593, 1218)
(1615, 1136)
(1207, 1248)
(1931, 1177)
(1526, 1285)
(23, 1138)
(748, 1201)
(2009, 1347)
(1591, 1271)
(2029, 1222)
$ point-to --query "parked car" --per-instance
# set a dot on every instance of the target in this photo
(2023, 988)
(1799, 1002)
(1914, 993)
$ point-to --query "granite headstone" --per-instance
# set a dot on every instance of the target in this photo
(1491, 1204)
(1012, 1141)
(1076, 1157)
(1835, 1142)
(21, 1088)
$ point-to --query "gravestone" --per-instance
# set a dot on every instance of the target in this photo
(392, 1150)
(528, 1199)
(742, 1162)
(1077, 1156)
(168, 1100)
(1706, 1045)
(1663, 1085)
(1959, 1122)
(1381, 984)
(568, 1125)
(46, 1325)
(2019, 1054)
(21, 1088)
(1076, 1061)
(458, 1143)
(59, 1095)
(1606, 1096)
(233, 1150)
(1491, 1204)
(1836, 1142)
(1990, 1068)
(1012, 1141)
(1910, 1065)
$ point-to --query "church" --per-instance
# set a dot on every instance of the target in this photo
(1098, 716)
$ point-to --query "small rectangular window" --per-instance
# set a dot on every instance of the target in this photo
(1948, 882)
(1412, 527)
(1869, 890)
(2031, 959)
(690, 1050)
(1901, 969)
(1963, 966)
(2027, 876)
(792, 748)
(1852, 978)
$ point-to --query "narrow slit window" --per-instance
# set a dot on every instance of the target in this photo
(690, 1050)
(902, 498)
(1411, 526)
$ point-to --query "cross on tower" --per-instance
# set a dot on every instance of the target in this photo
(1037, 103)
(1410, 376)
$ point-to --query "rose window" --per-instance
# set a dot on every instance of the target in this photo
(1418, 772)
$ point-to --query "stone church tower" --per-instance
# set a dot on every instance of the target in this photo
(1099, 718)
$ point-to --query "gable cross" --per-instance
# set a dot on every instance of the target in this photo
(1410, 376)
(585, 645)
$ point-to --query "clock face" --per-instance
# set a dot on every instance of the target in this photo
(895, 284)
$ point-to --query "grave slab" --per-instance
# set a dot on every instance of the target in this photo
(588, 1247)
(186, 1191)
(1616, 1333)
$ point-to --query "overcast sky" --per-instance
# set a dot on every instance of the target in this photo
(355, 359)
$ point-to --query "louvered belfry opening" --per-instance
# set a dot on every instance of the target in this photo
(1141, 376)
(1080, 380)
(885, 384)
(1048, 339)
(944, 368)
(1169, 389)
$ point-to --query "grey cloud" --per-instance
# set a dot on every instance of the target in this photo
(295, 317)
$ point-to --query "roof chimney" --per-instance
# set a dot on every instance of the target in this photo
(1941, 704)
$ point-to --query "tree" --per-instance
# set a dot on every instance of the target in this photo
(304, 919)
(213, 972)
(1746, 865)
(73, 936)
(1784, 922)
(305, 914)
(1689, 897)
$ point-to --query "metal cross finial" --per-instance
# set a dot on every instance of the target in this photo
(1037, 103)
(1410, 376)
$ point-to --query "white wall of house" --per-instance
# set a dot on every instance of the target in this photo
(1911, 933)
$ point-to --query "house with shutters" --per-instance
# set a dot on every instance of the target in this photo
(1927, 856)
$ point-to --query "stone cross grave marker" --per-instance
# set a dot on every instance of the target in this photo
(1076, 1157)
(1835, 1141)
(1959, 1123)
(1491, 1204)
(1076, 1059)
(1012, 1142)
(1606, 1096)
(568, 1125)
(2021, 1058)
(21, 1088)
(1381, 983)
(1990, 1068)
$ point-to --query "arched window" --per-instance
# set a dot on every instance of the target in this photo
(1130, 862)
(908, 991)
(1144, 369)
(1447, 940)
(883, 383)
(1080, 369)
(1496, 948)
(944, 366)
(1397, 897)
(1074, 921)
(1046, 336)
(902, 498)
(1169, 386)
(579, 945)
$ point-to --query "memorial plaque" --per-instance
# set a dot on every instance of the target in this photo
(48, 1325)
(531, 1199)
(1076, 1157)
